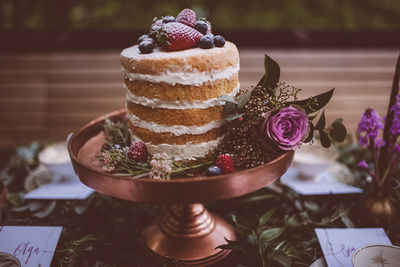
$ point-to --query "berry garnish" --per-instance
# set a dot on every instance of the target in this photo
(225, 163)
(168, 19)
(146, 47)
(149, 39)
(138, 152)
(213, 170)
(155, 27)
(141, 38)
(201, 26)
(207, 41)
(187, 17)
(219, 41)
(177, 36)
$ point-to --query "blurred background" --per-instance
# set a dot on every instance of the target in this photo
(59, 60)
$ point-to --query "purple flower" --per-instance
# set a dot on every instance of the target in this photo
(362, 164)
(395, 129)
(284, 128)
(369, 126)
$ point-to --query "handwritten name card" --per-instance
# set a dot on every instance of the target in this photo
(339, 245)
(28, 245)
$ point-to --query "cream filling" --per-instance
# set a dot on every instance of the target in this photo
(171, 104)
(189, 151)
(186, 78)
(174, 129)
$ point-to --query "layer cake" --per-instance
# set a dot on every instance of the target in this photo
(172, 97)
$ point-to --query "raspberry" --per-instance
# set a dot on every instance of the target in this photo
(138, 152)
(225, 163)
(188, 17)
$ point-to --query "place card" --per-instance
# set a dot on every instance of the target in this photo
(28, 245)
(324, 185)
(339, 245)
(69, 190)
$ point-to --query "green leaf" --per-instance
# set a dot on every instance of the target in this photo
(258, 198)
(310, 133)
(325, 141)
(317, 102)
(272, 233)
(272, 73)
(338, 132)
(281, 258)
(241, 224)
(232, 245)
(310, 205)
(321, 122)
(265, 217)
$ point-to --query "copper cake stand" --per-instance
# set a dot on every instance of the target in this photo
(187, 232)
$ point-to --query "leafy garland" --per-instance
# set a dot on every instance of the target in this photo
(103, 231)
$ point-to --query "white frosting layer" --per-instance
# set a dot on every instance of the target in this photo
(174, 129)
(169, 104)
(185, 78)
(188, 151)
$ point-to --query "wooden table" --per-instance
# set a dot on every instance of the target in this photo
(44, 96)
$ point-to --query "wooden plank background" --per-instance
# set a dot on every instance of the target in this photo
(45, 96)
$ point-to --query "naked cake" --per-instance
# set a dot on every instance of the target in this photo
(172, 97)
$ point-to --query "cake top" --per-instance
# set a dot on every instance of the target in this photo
(188, 60)
(180, 33)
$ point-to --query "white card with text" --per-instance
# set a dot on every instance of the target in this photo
(339, 245)
(28, 245)
(71, 190)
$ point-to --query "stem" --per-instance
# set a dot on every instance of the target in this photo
(375, 158)
(260, 246)
(191, 167)
(383, 159)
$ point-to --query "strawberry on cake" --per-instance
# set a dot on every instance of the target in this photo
(173, 79)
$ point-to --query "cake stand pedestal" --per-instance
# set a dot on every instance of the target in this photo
(187, 232)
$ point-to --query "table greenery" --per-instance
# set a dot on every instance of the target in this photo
(274, 225)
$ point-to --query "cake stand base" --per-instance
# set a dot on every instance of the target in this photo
(189, 235)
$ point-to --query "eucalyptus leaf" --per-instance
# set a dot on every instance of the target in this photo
(265, 217)
(317, 102)
(227, 98)
(272, 233)
(243, 99)
(321, 122)
(230, 108)
(46, 211)
(325, 141)
(310, 205)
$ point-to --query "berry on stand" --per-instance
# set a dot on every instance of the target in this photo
(213, 170)
(141, 38)
(177, 36)
(146, 47)
(201, 26)
(168, 19)
(225, 163)
(207, 41)
(138, 152)
(149, 39)
(187, 17)
(219, 41)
